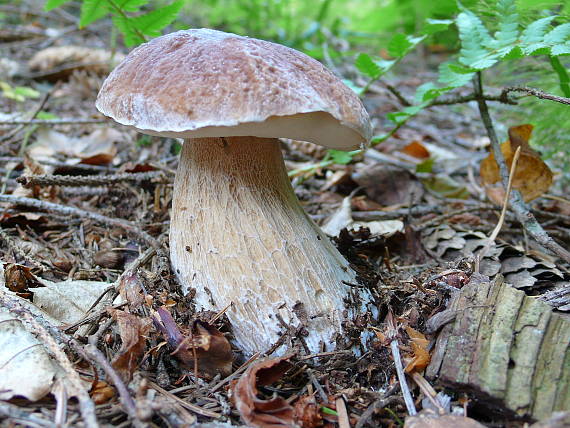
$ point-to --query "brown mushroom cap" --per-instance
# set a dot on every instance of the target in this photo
(207, 83)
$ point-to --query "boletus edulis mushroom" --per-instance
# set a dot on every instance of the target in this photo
(238, 234)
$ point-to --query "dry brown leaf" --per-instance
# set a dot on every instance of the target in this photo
(389, 185)
(20, 279)
(101, 392)
(532, 177)
(416, 150)
(97, 148)
(204, 343)
(133, 331)
(307, 412)
(256, 412)
(421, 357)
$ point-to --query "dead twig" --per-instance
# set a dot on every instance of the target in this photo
(536, 93)
(93, 180)
(77, 212)
(17, 414)
(521, 211)
(375, 406)
(7, 138)
(343, 421)
(393, 336)
(70, 121)
(124, 395)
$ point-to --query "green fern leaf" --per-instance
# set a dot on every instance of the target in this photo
(367, 66)
(508, 32)
(474, 36)
(91, 11)
(560, 50)
(454, 75)
(558, 34)
(130, 5)
(130, 35)
(436, 25)
(150, 24)
(52, 4)
(401, 44)
(535, 31)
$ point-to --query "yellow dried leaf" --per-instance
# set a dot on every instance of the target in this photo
(532, 176)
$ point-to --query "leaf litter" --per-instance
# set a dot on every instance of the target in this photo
(407, 233)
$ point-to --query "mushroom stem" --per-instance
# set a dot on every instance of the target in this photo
(238, 234)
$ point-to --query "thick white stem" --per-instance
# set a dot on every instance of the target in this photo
(238, 234)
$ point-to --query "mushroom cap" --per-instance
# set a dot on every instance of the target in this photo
(206, 83)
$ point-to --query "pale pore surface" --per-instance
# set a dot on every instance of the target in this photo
(238, 234)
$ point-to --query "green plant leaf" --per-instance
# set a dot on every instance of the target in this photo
(558, 34)
(450, 75)
(52, 4)
(130, 5)
(399, 45)
(534, 32)
(150, 24)
(130, 35)
(91, 11)
(339, 157)
(367, 66)
(560, 50)
(436, 25)
(474, 37)
(26, 92)
(508, 31)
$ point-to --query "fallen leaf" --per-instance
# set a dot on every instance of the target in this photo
(101, 392)
(133, 331)
(68, 301)
(21, 355)
(308, 412)
(58, 62)
(275, 412)
(204, 343)
(416, 150)
(25, 366)
(19, 279)
(532, 176)
(420, 354)
(97, 148)
(389, 185)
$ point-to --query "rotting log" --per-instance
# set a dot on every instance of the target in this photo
(508, 351)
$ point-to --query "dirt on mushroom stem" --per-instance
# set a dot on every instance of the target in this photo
(239, 234)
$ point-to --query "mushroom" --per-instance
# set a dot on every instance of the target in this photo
(238, 234)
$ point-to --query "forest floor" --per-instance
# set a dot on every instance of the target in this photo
(84, 249)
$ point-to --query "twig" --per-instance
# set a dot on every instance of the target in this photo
(537, 93)
(343, 421)
(184, 403)
(68, 121)
(393, 336)
(94, 180)
(76, 212)
(19, 252)
(522, 213)
(124, 395)
(374, 407)
(47, 334)
(497, 229)
(20, 415)
(460, 99)
(39, 107)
